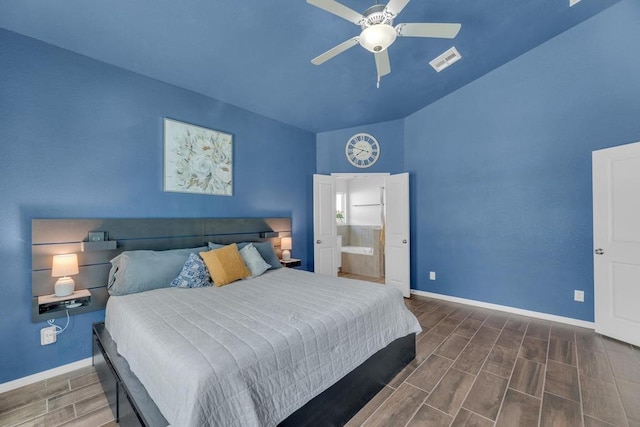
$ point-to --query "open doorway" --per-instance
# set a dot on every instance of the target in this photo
(387, 227)
(360, 221)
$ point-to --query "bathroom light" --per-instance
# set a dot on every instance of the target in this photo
(377, 38)
(63, 267)
(285, 245)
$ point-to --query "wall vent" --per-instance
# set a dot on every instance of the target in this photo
(447, 58)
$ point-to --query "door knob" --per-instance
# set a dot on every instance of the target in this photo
(599, 251)
(404, 241)
(318, 241)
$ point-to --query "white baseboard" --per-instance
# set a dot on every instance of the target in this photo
(44, 375)
(505, 308)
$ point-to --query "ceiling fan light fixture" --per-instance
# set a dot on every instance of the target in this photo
(377, 38)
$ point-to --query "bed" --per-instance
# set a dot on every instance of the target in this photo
(360, 356)
(253, 352)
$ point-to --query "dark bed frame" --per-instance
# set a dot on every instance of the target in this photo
(128, 399)
(132, 406)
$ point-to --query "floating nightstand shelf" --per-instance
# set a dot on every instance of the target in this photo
(291, 262)
(50, 303)
(103, 245)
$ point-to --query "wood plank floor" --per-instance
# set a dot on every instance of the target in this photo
(474, 367)
(73, 399)
(479, 367)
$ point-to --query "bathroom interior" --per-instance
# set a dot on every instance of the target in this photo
(360, 224)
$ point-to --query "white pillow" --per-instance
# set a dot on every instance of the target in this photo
(254, 260)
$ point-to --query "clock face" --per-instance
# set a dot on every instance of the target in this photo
(362, 150)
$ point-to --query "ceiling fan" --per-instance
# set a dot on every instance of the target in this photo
(378, 32)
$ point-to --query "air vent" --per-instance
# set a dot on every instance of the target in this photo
(443, 61)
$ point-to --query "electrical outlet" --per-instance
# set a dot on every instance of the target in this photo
(578, 295)
(48, 335)
(432, 275)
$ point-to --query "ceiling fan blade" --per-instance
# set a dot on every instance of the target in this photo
(396, 6)
(443, 31)
(338, 9)
(383, 66)
(335, 51)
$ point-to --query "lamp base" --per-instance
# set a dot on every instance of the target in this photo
(64, 287)
(286, 255)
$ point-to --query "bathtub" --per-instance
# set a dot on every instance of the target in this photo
(360, 260)
(360, 250)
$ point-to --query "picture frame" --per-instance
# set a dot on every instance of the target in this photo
(197, 160)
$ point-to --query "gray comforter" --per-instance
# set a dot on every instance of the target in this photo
(252, 352)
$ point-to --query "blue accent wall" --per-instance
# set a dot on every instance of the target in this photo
(390, 135)
(80, 138)
(501, 169)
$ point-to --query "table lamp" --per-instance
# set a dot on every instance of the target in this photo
(285, 245)
(63, 267)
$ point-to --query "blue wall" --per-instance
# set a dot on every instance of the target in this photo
(501, 189)
(330, 149)
(500, 170)
(80, 138)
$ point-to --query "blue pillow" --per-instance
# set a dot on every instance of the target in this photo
(268, 254)
(144, 270)
(194, 274)
(254, 260)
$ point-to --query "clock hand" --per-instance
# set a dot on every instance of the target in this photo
(362, 150)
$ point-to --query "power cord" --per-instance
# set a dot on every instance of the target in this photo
(59, 329)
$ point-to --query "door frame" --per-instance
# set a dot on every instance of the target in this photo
(383, 175)
(359, 175)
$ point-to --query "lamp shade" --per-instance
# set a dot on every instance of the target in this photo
(377, 37)
(64, 265)
(285, 243)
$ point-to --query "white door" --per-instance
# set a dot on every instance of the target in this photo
(396, 247)
(324, 225)
(616, 235)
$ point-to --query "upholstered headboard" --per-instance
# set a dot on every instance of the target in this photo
(62, 236)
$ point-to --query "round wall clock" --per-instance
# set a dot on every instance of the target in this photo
(362, 150)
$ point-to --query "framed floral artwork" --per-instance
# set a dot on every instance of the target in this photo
(197, 160)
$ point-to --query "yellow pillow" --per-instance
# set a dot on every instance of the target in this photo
(225, 265)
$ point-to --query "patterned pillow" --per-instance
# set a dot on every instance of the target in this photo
(254, 261)
(194, 274)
